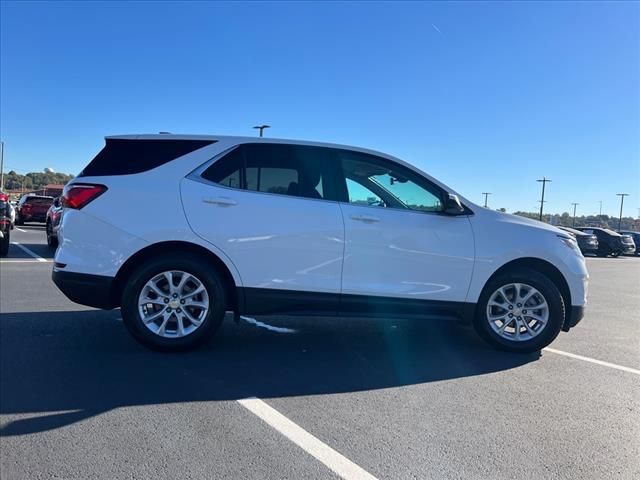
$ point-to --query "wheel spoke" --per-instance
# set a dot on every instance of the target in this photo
(505, 325)
(493, 303)
(528, 327)
(198, 290)
(163, 325)
(153, 317)
(517, 330)
(517, 288)
(195, 304)
(179, 318)
(169, 277)
(183, 281)
(192, 319)
(537, 317)
(154, 288)
(504, 295)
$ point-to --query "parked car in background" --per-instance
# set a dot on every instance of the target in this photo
(200, 225)
(609, 242)
(629, 246)
(636, 239)
(53, 222)
(33, 208)
(587, 242)
(12, 213)
(5, 224)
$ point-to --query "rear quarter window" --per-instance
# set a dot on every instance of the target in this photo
(126, 156)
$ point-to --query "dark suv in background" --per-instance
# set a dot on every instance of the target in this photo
(636, 239)
(609, 242)
(32, 208)
(587, 242)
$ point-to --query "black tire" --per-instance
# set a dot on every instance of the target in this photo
(19, 220)
(550, 293)
(52, 240)
(188, 263)
(4, 244)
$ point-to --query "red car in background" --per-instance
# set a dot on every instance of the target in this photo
(5, 224)
(32, 208)
(54, 214)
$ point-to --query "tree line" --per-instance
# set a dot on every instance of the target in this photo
(566, 220)
(33, 180)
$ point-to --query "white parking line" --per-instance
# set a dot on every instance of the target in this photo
(260, 324)
(20, 230)
(340, 464)
(593, 360)
(33, 254)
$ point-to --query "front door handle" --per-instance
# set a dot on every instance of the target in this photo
(365, 218)
(220, 201)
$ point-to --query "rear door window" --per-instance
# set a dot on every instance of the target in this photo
(281, 169)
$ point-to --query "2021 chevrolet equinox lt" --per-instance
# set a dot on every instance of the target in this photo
(176, 230)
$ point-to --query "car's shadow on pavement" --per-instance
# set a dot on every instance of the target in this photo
(57, 368)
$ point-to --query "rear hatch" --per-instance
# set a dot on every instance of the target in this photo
(36, 206)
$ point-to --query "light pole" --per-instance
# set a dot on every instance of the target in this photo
(574, 214)
(544, 181)
(621, 195)
(486, 194)
(261, 128)
(600, 209)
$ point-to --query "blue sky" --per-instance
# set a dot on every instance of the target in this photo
(484, 96)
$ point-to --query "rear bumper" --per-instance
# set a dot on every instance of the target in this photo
(575, 315)
(91, 290)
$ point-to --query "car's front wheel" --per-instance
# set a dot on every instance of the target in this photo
(520, 311)
(174, 304)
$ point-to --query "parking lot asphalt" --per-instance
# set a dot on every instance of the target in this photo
(391, 399)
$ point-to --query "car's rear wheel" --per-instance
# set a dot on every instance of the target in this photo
(4, 244)
(52, 240)
(174, 304)
(520, 311)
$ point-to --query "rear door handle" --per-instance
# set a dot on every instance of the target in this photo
(220, 201)
(365, 218)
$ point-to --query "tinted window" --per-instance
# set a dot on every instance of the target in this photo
(391, 185)
(39, 200)
(294, 170)
(228, 170)
(124, 157)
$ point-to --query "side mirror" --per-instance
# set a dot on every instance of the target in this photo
(453, 205)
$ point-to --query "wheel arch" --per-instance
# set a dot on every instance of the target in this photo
(541, 266)
(161, 248)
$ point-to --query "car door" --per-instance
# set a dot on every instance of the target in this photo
(399, 243)
(271, 209)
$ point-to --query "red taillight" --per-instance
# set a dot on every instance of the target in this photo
(78, 195)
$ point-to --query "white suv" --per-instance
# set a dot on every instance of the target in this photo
(176, 230)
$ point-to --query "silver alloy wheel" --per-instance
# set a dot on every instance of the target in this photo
(517, 312)
(173, 304)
